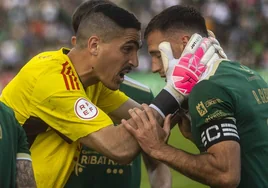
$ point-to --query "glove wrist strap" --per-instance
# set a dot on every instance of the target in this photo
(165, 103)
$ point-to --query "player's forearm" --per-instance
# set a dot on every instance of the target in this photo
(25, 175)
(159, 174)
(115, 142)
(202, 168)
(124, 145)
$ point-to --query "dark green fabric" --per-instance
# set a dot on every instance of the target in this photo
(96, 171)
(235, 91)
(13, 140)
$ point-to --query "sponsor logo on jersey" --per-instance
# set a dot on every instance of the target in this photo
(201, 109)
(44, 56)
(89, 158)
(218, 114)
(261, 95)
(84, 109)
(213, 101)
(246, 69)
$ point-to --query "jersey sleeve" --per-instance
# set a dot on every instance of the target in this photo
(67, 110)
(111, 100)
(23, 152)
(74, 116)
(212, 114)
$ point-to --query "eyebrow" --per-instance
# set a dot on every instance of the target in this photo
(138, 44)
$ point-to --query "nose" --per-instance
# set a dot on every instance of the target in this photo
(134, 61)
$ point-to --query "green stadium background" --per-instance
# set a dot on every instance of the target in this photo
(176, 139)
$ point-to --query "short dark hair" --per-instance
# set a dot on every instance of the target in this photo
(103, 18)
(83, 9)
(178, 17)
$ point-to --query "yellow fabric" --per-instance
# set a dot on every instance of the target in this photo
(106, 99)
(47, 87)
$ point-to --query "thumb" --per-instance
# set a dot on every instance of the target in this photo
(166, 126)
(166, 53)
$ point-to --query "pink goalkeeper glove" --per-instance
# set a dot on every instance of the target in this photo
(182, 74)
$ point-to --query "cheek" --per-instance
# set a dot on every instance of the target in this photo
(157, 64)
(110, 67)
(156, 60)
(108, 61)
(111, 62)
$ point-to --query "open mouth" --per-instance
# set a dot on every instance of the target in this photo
(121, 75)
(123, 72)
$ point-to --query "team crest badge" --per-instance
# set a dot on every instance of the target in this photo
(201, 109)
(85, 110)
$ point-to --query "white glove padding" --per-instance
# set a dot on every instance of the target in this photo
(217, 45)
(182, 74)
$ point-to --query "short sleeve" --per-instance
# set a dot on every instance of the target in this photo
(68, 111)
(210, 106)
(72, 115)
(23, 152)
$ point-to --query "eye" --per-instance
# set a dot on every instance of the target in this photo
(158, 56)
(127, 49)
(155, 54)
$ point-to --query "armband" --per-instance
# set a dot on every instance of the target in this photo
(218, 131)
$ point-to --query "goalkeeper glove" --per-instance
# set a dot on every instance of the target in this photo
(182, 74)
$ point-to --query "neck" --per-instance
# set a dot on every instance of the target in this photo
(83, 68)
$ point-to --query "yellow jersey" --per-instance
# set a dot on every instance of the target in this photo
(55, 110)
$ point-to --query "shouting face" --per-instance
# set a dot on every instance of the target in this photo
(117, 58)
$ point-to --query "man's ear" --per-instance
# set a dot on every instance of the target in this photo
(73, 40)
(93, 45)
(185, 39)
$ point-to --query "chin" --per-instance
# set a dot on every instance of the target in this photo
(112, 86)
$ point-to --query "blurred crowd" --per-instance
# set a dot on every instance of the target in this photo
(31, 26)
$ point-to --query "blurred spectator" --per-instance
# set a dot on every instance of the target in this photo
(29, 27)
(264, 59)
(7, 73)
